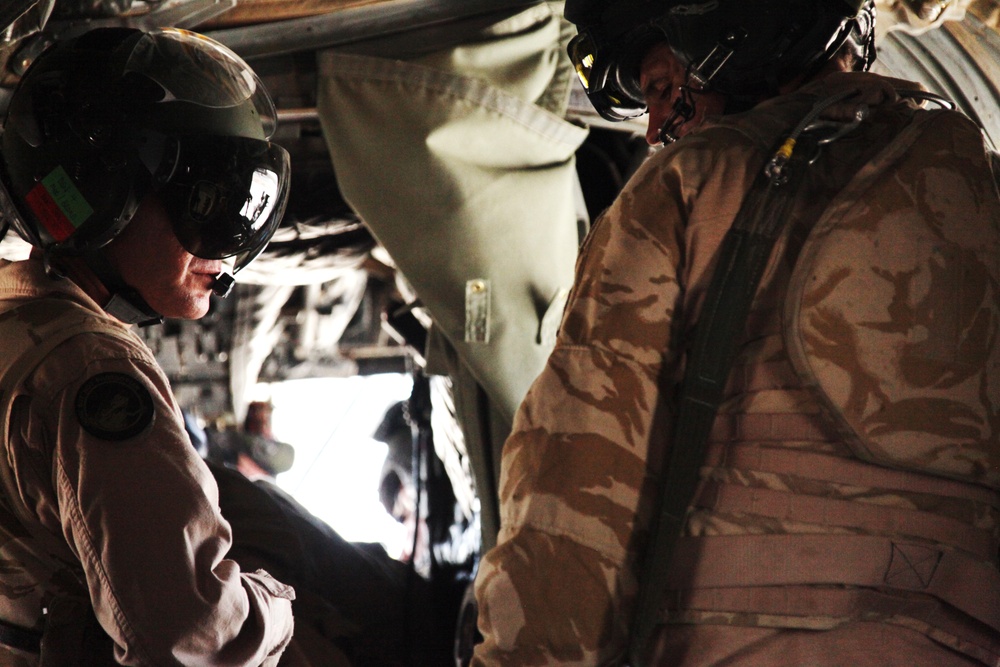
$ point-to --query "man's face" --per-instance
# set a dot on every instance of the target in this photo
(149, 257)
(661, 76)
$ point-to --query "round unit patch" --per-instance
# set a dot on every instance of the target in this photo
(114, 406)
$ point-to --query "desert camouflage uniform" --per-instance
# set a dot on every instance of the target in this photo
(119, 511)
(848, 509)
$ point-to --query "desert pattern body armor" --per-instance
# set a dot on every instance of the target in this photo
(851, 470)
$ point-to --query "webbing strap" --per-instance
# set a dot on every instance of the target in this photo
(22, 639)
(725, 561)
(836, 470)
(764, 427)
(743, 257)
(834, 512)
(821, 608)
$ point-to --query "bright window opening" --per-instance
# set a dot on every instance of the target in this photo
(330, 422)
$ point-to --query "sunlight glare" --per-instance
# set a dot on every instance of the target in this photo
(330, 422)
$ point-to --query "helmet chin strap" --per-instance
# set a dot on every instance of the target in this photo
(700, 75)
(129, 307)
(125, 303)
(683, 111)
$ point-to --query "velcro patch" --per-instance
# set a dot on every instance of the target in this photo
(114, 406)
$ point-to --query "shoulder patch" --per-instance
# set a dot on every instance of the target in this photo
(114, 406)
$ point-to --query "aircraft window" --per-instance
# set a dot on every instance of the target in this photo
(335, 475)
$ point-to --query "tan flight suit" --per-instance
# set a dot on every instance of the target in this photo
(111, 504)
(848, 508)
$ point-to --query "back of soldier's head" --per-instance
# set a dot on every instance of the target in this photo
(744, 49)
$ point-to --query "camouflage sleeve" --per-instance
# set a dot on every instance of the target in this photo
(140, 511)
(557, 588)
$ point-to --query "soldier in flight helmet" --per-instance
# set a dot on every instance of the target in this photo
(776, 376)
(135, 163)
(104, 120)
(744, 51)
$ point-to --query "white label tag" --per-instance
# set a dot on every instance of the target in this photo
(477, 311)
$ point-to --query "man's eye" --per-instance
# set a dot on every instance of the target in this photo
(657, 90)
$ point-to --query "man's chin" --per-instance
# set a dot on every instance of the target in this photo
(192, 308)
(199, 298)
(200, 307)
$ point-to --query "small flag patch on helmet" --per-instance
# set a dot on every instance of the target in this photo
(114, 406)
(58, 204)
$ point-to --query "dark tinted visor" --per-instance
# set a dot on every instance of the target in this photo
(583, 54)
(607, 77)
(227, 195)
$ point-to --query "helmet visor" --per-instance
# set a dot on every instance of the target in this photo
(227, 195)
(611, 90)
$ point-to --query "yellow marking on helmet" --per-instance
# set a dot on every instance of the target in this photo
(583, 69)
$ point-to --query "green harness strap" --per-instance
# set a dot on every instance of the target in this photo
(744, 254)
(743, 257)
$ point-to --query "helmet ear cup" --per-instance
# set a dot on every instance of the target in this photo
(70, 175)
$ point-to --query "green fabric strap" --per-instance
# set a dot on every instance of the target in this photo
(743, 256)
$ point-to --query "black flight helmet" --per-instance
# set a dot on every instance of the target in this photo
(101, 120)
(743, 49)
(612, 37)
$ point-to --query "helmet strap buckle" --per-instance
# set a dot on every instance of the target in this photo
(701, 75)
(127, 306)
(125, 303)
(683, 111)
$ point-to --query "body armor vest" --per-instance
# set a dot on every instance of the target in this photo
(852, 473)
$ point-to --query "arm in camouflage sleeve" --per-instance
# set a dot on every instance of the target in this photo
(590, 437)
(557, 587)
(141, 513)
